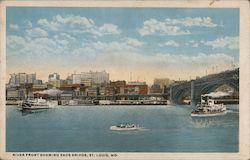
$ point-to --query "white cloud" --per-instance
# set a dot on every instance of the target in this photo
(62, 42)
(46, 42)
(195, 45)
(133, 42)
(109, 29)
(106, 47)
(78, 25)
(43, 47)
(86, 50)
(174, 26)
(36, 32)
(191, 41)
(170, 43)
(14, 41)
(188, 21)
(128, 44)
(29, 24)
(75, 20)
(50, 25)
(14, 27)
(154, 26)
(64, 39)
(67, 36)
(223, 42)
(36, 46)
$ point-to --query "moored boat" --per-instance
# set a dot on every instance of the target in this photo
(36, 104)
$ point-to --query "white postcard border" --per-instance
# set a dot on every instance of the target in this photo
(244, 147)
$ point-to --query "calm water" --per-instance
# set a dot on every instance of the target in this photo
(86, 129)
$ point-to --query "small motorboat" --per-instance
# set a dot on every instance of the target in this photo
(125, 127)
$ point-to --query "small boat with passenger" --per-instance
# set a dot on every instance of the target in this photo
(125, 127)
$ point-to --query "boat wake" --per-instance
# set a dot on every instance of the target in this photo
(144, 129)
(130, 132)
(232, 111)
(215, 114)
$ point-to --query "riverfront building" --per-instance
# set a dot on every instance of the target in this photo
(155, 88)
(38, 82)
(55, 83)
(86, 85)
(119, 87)
(14, 93)
(137, 88)
(87, 82)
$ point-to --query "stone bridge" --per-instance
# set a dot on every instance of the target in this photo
(203, 85)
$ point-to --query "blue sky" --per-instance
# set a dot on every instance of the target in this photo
(149, 42)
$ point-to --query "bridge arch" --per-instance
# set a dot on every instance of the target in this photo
(179, 95)
(204, 85)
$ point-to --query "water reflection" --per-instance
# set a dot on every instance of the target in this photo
(205, 122)
(27, 112)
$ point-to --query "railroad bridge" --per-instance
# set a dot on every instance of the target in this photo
(203, 85)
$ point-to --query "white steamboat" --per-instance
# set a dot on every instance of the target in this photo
(209, 107)
(36, 104)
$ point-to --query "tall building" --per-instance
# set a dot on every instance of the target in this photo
(163, 82)
(12, 80)
(76, 78)
(100, 77)
(21, 78)
(97, 77)
(54, 76)
(69, 80)
(86, 75)
(54, 80)
(31, 78)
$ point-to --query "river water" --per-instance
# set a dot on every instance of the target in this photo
(86, 129)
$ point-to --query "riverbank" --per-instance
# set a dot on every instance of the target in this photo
(120, 102)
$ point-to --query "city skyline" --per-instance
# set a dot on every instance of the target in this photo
(56, 76)
(83, 75)
(163, 43)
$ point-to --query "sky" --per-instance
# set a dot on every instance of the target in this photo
(128, 43)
